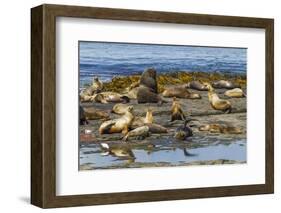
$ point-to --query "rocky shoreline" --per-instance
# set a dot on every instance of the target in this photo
(197, 109)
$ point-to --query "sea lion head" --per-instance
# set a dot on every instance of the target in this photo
(151, 72)
(130, 109)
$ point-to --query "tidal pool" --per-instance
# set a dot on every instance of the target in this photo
(169, 154)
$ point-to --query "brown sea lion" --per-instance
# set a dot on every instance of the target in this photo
(179, 91)
(196, 85)
(156, 128)
(220, 128)
(86, 98)
(132, 93)
(216, 102)
(235, 93)
(147, 95)
(140, 133)
(92, 113)
(148, 79)
(120, 108)
(140, 121)
(223, 84)
(119, 125)
(176, 110)
(113, 97)
(97, 85)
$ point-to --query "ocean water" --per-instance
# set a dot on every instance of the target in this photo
(106, 60)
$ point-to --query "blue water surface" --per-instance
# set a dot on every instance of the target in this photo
(106, 60)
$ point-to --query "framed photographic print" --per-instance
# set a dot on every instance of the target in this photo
(136, 106)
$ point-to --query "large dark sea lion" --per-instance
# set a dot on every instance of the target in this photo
(148, 79)
(147, 95)
(147, 91)
(179, 91)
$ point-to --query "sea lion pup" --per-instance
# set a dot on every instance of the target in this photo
(216, 102)
(223, 84)
(119, 125)
(114, 97)
(123, 151)
(82, 117)
(235, 93)
(92, 113)
(140, 121)
(177, 113)
(148, 79)
(196, 85)
(179, 91)
(97, 85)
(220, 128)
(140, 133)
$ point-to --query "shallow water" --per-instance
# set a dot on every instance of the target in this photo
(163, 155)
(106, 60)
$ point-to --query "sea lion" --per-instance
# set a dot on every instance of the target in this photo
(97, 85)
(132, 94)
(140, 121)
(148, 79)
(139, 133)
(220, 128)
(223, 84)
(179, 91)
(183, 131)
(156, 128)
(216, 102)
(235, 93)
(147, 95)
(197, 86)
(119, 125)
(92, 113)
(177, 113)
(119, 109)
(114, 97)
(122, 151)
(82, 117)
(86, 98)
